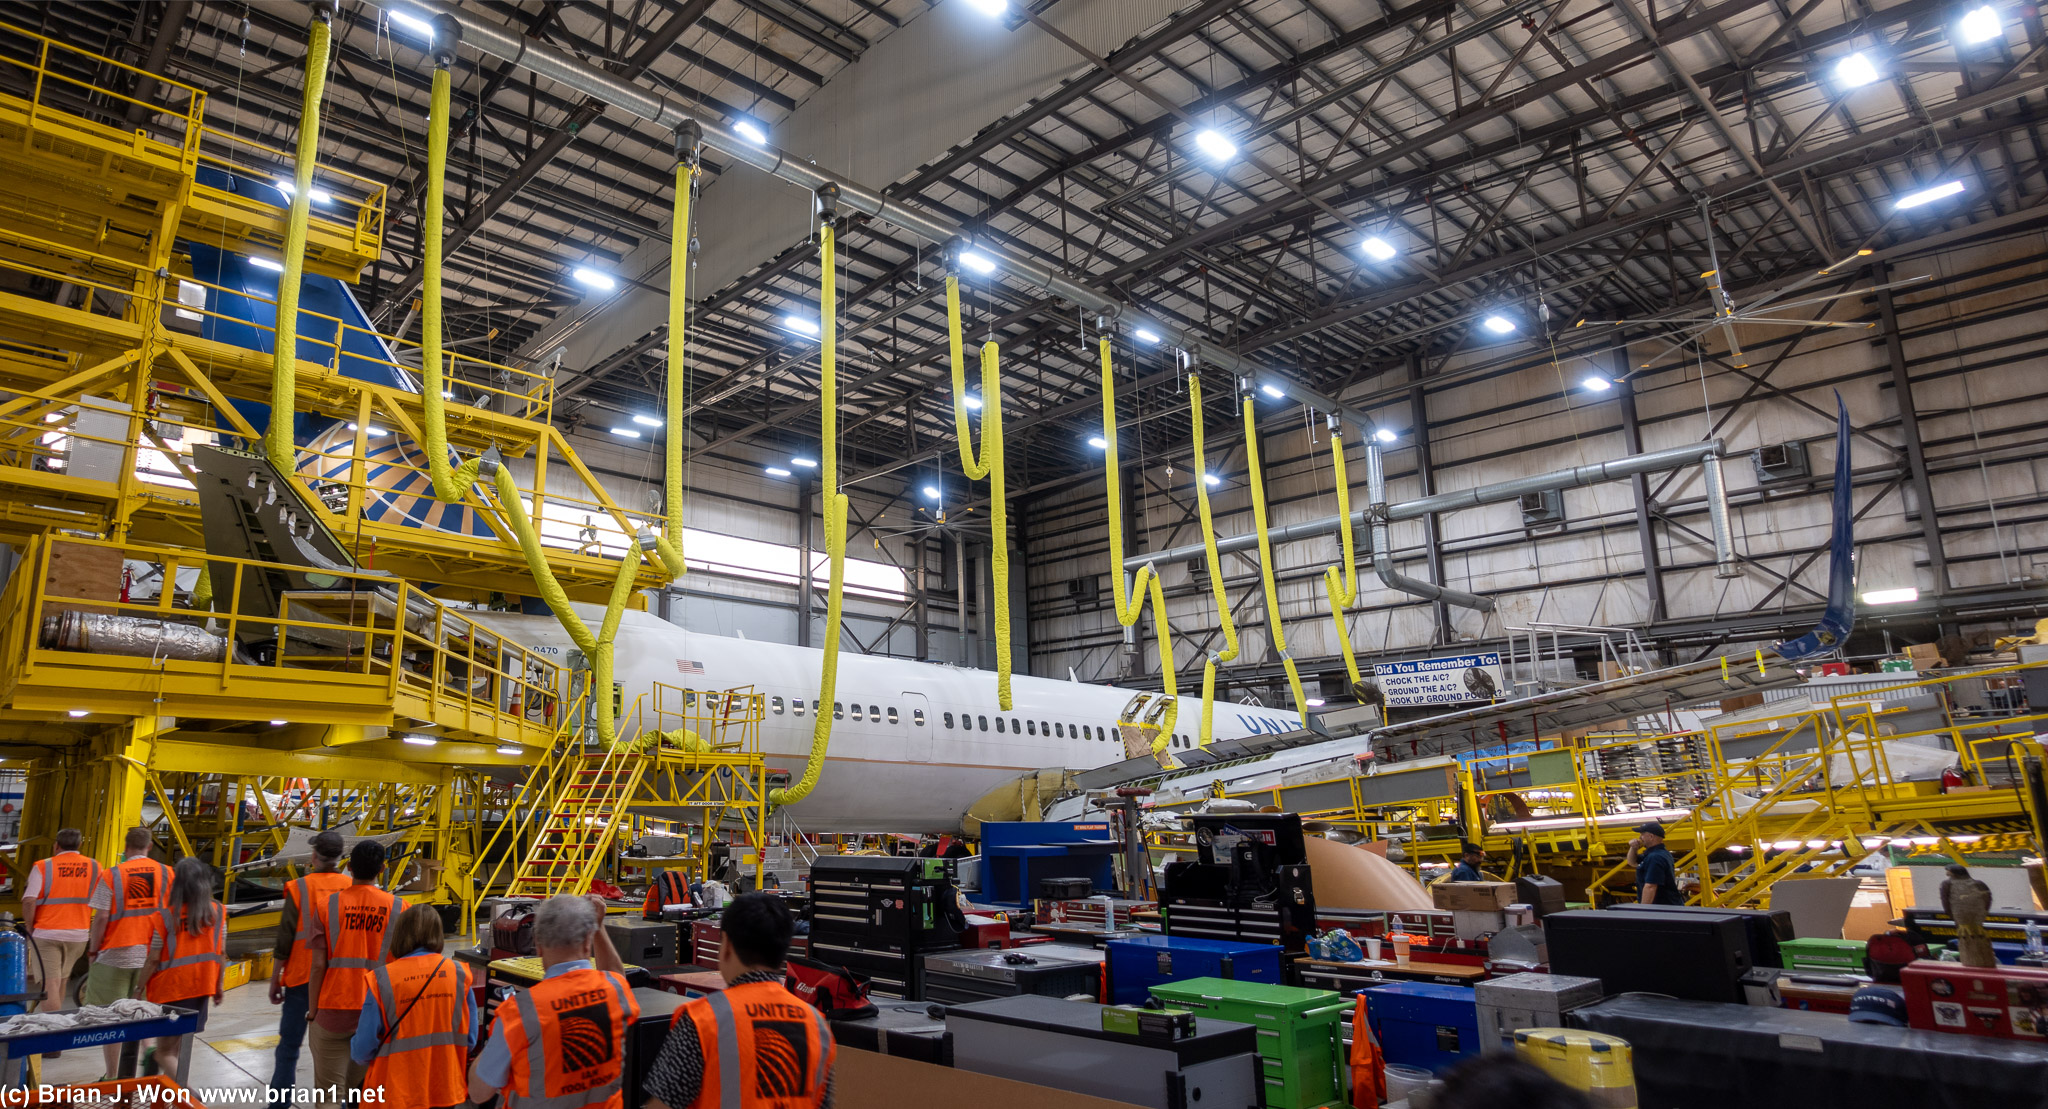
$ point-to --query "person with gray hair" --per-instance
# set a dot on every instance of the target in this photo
(568, 1032)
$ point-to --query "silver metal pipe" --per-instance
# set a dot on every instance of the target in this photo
(565, 69)
(1383, 546)
(1615, 470)
(1725, 565)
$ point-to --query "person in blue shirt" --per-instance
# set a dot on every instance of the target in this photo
(1656, 874)
(1470, 862)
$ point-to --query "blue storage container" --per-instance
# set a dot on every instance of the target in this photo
(1423, 1024)
(1141, 962)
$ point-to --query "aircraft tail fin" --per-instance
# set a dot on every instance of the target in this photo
(1840, 615)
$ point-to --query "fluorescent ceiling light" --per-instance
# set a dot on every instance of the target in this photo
(1098, 442)
(75, 713)
(800, 325)
(320, 196)
(270, 264)
(413, 23)
(1215, 145)
(1314, 702)
(971, 402)
(1377, 249)
(776, 471)
(1597, 384)
(1499, 325)
(645, 421)
(931, 492)
(1146, 335)
(420, 740)
(596, 279)
(1904, 596)
(978, 262)
(994, 9)
(1929, 195)
(625, 433)
(1981, 25)
(374, 432)
(277, 723)
(1855, 71)
(806, 463)
(1603, 819)
(510, 749)
(1384, 435)
(1212, 479)
(1274, 391)
(750, 131)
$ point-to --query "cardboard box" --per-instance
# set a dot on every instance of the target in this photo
(1741, 701)
(868, 1080)
(1924, 656)
(1870, 913)
(1473, 896)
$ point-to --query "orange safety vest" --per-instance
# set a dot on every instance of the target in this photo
(424, 1002)
(66, 900)
(138, 889)
(359, 920)
(189, 965)
(774, 1051)
(309, 895)
(568, 1040)
(670, 888)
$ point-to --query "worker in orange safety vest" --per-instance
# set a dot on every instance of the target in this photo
(418, 1022)
(754, 1044)
(57, 906)
(561, 1044)
(351, 939)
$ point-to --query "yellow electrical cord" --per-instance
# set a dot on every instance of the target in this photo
(450, 483)
(280, 446)
(1272, 591)
(1129, 606)
(1342, 589)
(1230, 645)
(835, 521)
(989, 465)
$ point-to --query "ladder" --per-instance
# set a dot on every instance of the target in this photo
(585, 798)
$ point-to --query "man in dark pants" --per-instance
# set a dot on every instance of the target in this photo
(305, 899)
(1656, 874)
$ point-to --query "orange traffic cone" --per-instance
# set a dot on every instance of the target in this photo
(1368, 1066)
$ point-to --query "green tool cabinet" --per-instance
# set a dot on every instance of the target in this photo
(1301, 1046)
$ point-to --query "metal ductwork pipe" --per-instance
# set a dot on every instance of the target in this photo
(1383, 546)
(565, 69)
(1717, 517)
(1592, 474)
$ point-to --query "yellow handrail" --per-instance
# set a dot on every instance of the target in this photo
(1128, 607)
(279, 442)
(835, 515)
(1226, 621)
(1272, 590)
(988, 465)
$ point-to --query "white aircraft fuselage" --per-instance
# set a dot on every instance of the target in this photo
(916, 743)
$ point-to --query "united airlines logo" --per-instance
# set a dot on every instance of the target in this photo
(141, 886)
(587, 1036)
(1256, 725)
(782, 1058)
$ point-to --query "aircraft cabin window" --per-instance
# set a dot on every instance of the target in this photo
(892, 714)
(775, 703)
(838, 710)
(874, 712)
(856, 710)
(917, 717)
(999, 724)
(949, 720)
(984, 723)
(796, 705)
(1031, 726)
(1044, 728)
(1059, 730)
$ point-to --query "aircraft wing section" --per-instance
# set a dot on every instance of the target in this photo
(1583, 706)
